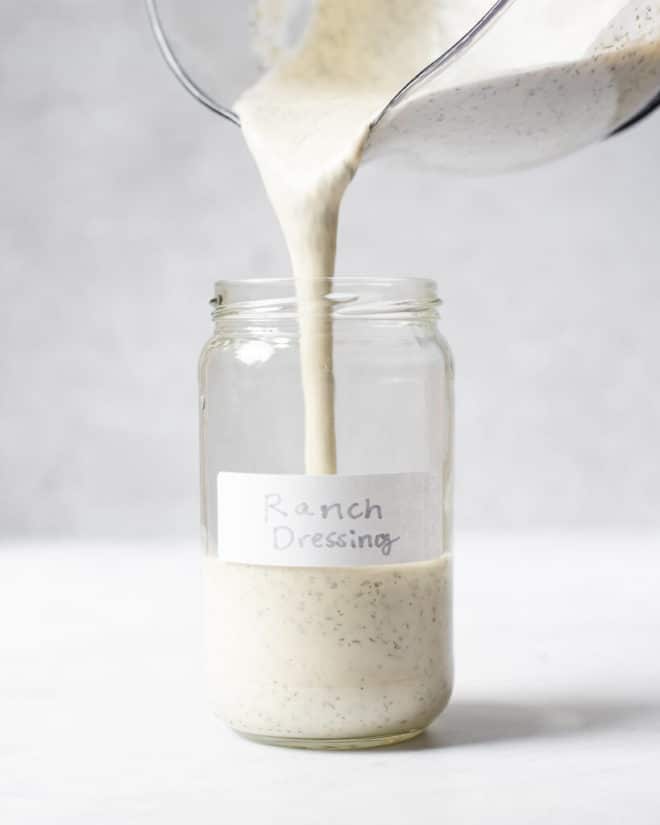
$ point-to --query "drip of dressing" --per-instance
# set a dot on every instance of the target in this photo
(547, 78)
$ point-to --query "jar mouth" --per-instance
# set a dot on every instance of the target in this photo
(341, 296)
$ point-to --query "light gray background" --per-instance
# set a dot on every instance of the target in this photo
(122, 201)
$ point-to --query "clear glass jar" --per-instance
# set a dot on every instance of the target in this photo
(328, 596)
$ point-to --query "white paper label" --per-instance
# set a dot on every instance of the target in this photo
(329, 521)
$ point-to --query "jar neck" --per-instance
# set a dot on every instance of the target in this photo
(274, 300)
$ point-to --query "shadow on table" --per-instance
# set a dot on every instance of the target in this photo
(473, 723)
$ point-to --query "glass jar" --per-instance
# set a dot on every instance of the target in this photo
(327, 596)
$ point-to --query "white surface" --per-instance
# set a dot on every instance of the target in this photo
(555, 717)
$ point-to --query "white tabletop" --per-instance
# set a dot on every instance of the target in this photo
(555, 717)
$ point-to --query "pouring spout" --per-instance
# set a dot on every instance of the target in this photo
(645, 112)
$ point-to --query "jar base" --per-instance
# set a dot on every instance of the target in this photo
(357, 743)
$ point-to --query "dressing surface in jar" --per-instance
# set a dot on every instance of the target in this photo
(328, 594)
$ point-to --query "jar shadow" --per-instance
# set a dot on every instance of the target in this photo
(475, 723)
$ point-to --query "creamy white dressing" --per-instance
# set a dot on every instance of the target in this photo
(329, 653)
(349, 653)
(306, 123)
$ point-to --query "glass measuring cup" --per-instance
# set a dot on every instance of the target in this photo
(518, 83)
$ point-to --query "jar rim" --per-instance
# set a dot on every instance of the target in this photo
(346, 296)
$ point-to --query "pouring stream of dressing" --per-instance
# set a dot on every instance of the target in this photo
(307, 123)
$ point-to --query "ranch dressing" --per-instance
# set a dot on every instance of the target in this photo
(331, 653)
(353, 652)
